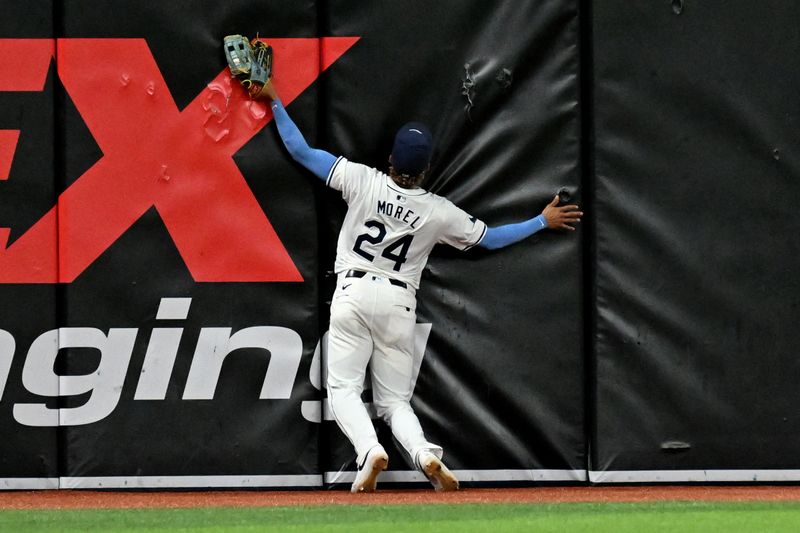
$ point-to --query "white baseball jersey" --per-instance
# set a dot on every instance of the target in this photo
(389, 230)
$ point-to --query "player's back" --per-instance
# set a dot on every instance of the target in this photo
(390, 230)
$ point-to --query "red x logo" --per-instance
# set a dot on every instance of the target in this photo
(154, 155)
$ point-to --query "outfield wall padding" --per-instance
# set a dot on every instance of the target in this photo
(167, 268)
(695, 120)
(191, 257)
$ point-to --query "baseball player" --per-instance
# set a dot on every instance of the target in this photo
(388, 232)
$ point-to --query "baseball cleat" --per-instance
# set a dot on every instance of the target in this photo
(439, 475)
(367, 476)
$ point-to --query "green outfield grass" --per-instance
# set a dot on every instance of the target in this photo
(673, 517)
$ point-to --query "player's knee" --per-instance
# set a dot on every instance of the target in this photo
(386, 409)
(339, 387)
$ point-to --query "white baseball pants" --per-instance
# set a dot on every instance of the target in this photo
(372, 322)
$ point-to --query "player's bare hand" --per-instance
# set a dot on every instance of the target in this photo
(562, 217)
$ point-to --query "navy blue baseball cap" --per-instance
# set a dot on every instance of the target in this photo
(412, 149)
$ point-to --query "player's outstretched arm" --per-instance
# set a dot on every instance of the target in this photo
(319, 162)
(553, 216)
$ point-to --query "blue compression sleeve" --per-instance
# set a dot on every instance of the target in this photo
(502, 236)
(317, 161)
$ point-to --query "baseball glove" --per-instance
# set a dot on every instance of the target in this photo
(250, 62)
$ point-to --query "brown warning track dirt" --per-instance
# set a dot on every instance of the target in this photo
(71, 499)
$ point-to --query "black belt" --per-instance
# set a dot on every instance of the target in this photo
(361, 274)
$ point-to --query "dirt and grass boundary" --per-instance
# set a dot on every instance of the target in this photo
(86, 499)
